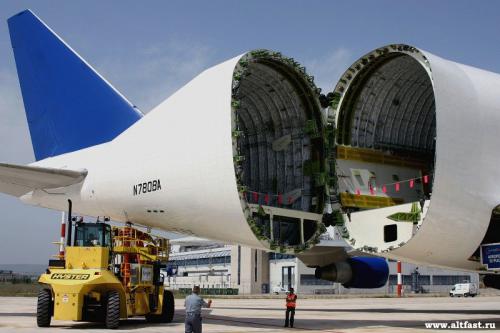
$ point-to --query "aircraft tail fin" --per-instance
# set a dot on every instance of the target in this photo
(68, 105)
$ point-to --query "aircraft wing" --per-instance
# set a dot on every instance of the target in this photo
(323, 255)
(18, 180)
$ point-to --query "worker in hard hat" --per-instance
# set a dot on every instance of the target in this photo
(291, 302)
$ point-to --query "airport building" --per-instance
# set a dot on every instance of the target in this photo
(242, 270)
(199, 262)
(16, 277)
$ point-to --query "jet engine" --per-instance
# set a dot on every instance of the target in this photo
(356, 272)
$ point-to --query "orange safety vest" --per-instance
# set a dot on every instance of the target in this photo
(290, 300)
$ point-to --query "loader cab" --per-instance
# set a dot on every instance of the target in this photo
(92, 235)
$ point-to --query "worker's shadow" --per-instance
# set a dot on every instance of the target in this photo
(129, 324)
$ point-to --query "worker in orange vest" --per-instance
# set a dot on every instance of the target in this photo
(291, 300)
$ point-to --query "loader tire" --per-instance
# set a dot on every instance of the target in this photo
(167, 310)
(44, 308)
(112, 320)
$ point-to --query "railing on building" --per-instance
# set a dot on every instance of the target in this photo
(211, 291)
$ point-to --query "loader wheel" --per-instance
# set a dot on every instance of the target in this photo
(167, 310)
(113, 310)
(44, 308)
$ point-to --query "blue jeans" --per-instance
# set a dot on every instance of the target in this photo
(192, 323)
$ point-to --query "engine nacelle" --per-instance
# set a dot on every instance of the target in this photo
(356, 272)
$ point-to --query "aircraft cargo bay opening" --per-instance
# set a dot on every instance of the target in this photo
(385, 113)
(278, 148)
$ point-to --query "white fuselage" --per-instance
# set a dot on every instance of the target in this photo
(466, 168)
(184, 150)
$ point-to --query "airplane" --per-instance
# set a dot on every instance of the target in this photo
(250, 152)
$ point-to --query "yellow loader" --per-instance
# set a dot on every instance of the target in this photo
(106, 274)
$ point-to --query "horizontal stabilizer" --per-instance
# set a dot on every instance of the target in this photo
(18, 180)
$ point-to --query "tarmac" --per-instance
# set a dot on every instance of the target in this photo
(17, 314)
